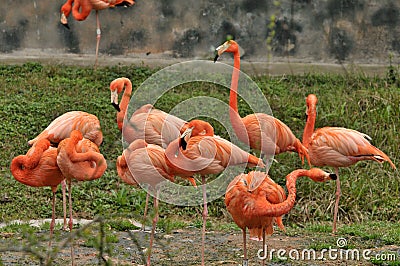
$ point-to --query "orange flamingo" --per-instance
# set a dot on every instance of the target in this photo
(79, 159)
(260, 131)
(198, 151)
(148, 166)
(337, 147)
(38, 168)
(257, 208)
(152, 125)
(82, 8)
(61, 128)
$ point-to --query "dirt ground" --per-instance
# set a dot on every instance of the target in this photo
(178, 247)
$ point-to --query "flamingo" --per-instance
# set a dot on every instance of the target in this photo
(148, 123)
(147, 165)
(258, 208)
(152, 125)
(337, 147)
(260, 131)
(198, 151)
(61, 128)
(79, 159)
(82, 8)
(38, 168)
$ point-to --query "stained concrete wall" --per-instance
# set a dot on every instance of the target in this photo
(349, 31)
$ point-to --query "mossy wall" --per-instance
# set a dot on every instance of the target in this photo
(351, 31)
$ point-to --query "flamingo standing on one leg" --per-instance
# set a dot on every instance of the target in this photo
(79, 159)
(258, 207)
(82, 8)
(198, 151)
(146, 164)
(260, 131)
(337, 147)
(61, 128)
(38, 168)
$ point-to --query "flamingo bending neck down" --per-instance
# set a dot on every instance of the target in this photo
(198, 151)
(260, 131)
(258, 208)
(38, 168)
(337, 147)
(146, 164)
(82, 8)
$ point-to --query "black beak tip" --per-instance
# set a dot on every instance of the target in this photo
(116, 106)
(66, 25)
(215, 58)
(333, 176)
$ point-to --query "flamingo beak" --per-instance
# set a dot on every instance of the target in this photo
(332, 176)
(64, 20)
(187, 133)
(114, 100)
(221, 49)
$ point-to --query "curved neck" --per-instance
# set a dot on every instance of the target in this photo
(67, 7)
(275, 210)
(126, 97)
(236, 120)
(309, 127)
(81, 9)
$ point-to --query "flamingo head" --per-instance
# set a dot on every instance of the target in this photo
(319, 175)
(116, 87)
(311, 102)
(229, 46)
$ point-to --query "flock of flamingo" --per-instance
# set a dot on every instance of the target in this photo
(162, 146)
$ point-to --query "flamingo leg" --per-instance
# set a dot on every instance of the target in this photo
(264, 248)
(338, 193)
(71, 221)
(205, 214)
(98, 36)
(64, 197)
(245, 261)
(145, 212)
(153, 228)
(53, 215)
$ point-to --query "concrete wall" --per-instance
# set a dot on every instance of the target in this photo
(326, 31)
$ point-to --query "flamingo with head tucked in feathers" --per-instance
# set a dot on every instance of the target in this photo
(80, 159)
(258, 207)
(198, 151)
(337, 147)
(82, 8)
(38, 168)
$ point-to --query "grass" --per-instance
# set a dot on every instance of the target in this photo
(34, 94)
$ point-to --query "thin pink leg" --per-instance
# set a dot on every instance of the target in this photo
(64, 197)
(205, 215)
(53, 215)
(153, 228)
(145, 211)
(245, 261)
(71, 221)
(338, 193)
(98, 36)
(265, 250)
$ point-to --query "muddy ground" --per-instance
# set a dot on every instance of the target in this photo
(177, 247)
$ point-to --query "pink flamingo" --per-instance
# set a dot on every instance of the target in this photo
(337, 147)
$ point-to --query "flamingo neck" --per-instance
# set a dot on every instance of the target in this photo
(174, 160)
(81, 9)
(67, 7)
(124, 102)
(309, 128)
(275, 210)
(236, 120)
